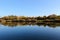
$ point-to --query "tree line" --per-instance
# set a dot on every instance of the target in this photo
(12, 18)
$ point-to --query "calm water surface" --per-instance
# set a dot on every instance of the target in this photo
(29, 32)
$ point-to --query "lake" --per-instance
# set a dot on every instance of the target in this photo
(29, 32)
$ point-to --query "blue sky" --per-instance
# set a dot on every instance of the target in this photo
(29, 7)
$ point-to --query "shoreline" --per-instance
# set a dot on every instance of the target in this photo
(50, 18)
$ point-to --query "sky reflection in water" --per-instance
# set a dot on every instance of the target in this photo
(29, 32)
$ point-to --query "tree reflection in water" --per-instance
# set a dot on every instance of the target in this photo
(14, 24)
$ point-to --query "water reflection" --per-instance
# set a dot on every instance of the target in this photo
(14, 24)
(35, 32)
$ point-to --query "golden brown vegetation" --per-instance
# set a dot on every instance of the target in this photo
(50, 18)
